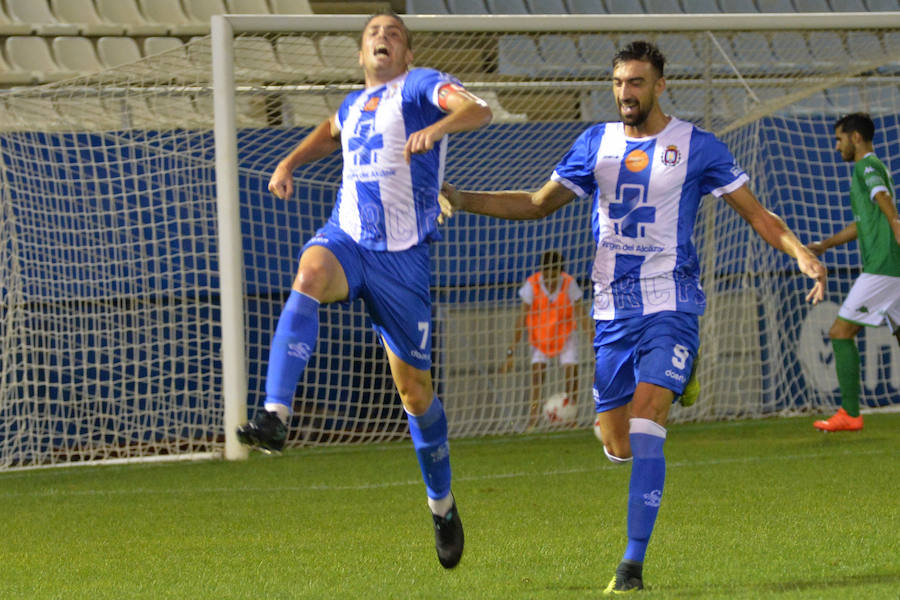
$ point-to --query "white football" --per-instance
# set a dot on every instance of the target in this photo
(597, 429)
(559, 410)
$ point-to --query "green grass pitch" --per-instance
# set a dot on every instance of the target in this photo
(753, 509)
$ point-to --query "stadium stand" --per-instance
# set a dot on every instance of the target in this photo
(340, 56)
(118, 50)
(265, 64)
(623, 7)
(596, 51)
(517, 55)
(740, 6)
(10, 75)
(560, 55)
(662, 7)
(467, 7)
(247, 7)
(586, 7)
(426, 7)
(31, 54)
(200, 11)
(546, 7)
(37, 15)
(775, 6)
(701, 7)
(812, 6)
(291, 7)
(8, 27)
(507, 7)
(84, 14)
(752, 54)
(170, 15)
(127, 13)
(76, 53)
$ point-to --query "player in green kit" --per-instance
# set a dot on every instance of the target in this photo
(874, 299)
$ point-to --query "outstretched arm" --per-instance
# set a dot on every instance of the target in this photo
(517, 205)
(324, 139)
(776, 233)
(847, 234)
(465, 111)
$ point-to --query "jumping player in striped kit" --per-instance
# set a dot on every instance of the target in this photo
(645, 176)
(375, 246)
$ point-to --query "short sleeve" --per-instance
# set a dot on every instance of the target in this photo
(576, 169)
(575, 292)
(526, 293)
(721, 173)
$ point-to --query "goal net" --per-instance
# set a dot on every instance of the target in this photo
(120, 336)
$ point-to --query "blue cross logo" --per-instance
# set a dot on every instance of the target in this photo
(631, 216)
(366, 141)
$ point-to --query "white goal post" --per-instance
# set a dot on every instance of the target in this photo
(144, 263)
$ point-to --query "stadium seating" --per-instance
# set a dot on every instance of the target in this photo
(507, 7)
(740, 6)
(701, 7)
(84, 14)
(170, 15)
(753, 54)
(830, 53)
(426, 7)
(9, 75)
(517, 55)
(881, 5)
(501, 115)
(76, 53)
(662, 7)
(560, 55)
(264, 64)
(37, 15)
(597, 106)
(291, 7)
(127, 13)
(118, 50)
(596, 51)
(812, 6)
(8, 27)
(791, 50)
(623, 7)
(202, 10)
(31, 54)
(775, 6)
(547, 7)
(340, 56)
(586, 7)
(467, 7)
(247, 7)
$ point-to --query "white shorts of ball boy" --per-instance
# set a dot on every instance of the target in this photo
(567, 356)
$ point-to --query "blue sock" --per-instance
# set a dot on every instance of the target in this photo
(648, 474)
(292, 345)
(429, 437)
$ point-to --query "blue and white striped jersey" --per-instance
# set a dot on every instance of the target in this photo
(385, 203)
(646, 193)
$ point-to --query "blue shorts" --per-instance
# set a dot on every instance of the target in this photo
(658, 348)
(394, 287)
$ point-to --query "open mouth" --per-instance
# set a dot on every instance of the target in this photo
(381, 51)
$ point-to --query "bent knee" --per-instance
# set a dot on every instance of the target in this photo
(617, 456)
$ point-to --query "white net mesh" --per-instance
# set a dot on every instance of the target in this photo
(110, 332)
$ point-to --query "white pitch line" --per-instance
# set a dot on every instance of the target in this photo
(315, 487)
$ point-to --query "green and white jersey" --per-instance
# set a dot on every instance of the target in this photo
(877, 246)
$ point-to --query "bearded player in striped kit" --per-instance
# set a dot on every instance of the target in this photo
(375, 247)
(645, 176)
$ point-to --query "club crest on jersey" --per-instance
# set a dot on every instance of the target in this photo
(671, 156)
(636, 161)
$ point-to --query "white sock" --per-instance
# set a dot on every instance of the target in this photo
(441, 507)
(283, 412)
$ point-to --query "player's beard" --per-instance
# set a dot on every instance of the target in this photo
(637, 119)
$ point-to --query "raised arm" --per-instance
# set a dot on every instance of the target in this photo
(776, 233)
(889, 208)
(322, 141)
(516, 205)
(465, 111)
